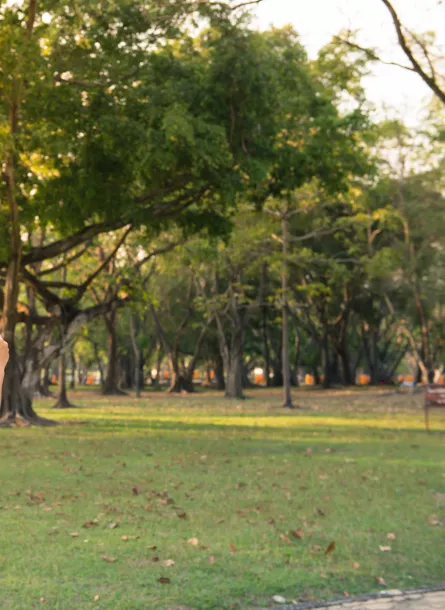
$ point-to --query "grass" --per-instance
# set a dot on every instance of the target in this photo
(352, 467)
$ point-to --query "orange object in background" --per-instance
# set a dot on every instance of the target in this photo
(259, 378)
(364, 379)
(196, 375)
(441, 379)
(309, 380)
(409, 378)
(54, 379)
(166, 375)
(90, 380)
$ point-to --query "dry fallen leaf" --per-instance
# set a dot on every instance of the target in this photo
(96, 598)
(108, 559)
(211, 559)
(391, 536)
(112, 526)
(298, 533)
(152, 547)
(136, 491)
(380, 580)
(233, 548)
(164, 580)
(154, 558)
(88, 524)
(193, 541)
(285, 538)
(74, 534)
(182, 515)
(278, 599)
(356, 565)
(384, 548)
(331, 548)
(168, 563)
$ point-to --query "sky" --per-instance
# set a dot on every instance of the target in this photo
(318, 20)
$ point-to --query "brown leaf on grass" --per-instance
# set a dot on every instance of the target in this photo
(285, 538)
(126, 538)
(35, 498)
(96, 598)
(193, 541)
(89, 524)
(74, 534)
(166, 501)
(320, 512)
(108, 559)
(331, 548)
(315, 548)
(380, 580)
(152, 547)
(391, 536)
(233, 548)
(356, 565)
(147, 507)
(298, 533)
(136, 491)
(112, 526)
(168, 563)
(164, 580)
(384, 548)
(182, 515)
(211, 559)
(433, 520)
(154, 559)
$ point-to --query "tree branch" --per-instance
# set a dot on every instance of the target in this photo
(429, 80)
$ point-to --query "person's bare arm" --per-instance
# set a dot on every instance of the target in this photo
(4, 357)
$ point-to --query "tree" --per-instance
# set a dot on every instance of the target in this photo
(76, 166)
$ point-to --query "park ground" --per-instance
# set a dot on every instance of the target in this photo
(194, 502)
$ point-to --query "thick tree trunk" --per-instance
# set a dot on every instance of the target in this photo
(62, 395)
(234, 381)
(348, 380)
(111, 383)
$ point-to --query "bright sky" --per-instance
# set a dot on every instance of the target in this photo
(318, 20)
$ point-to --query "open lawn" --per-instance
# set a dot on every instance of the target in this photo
(243, 497)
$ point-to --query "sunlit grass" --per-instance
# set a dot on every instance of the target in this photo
(350, 467)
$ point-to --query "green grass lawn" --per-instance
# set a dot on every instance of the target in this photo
(244, 498)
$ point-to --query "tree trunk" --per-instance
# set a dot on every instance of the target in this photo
(111, 383)
(73, 370)
(219, 372)
(345, 366)
(234, 381)
(62, 395)
(44, 383)
(295, 380)
(266, 350)
(325, 362)
(16, 405)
